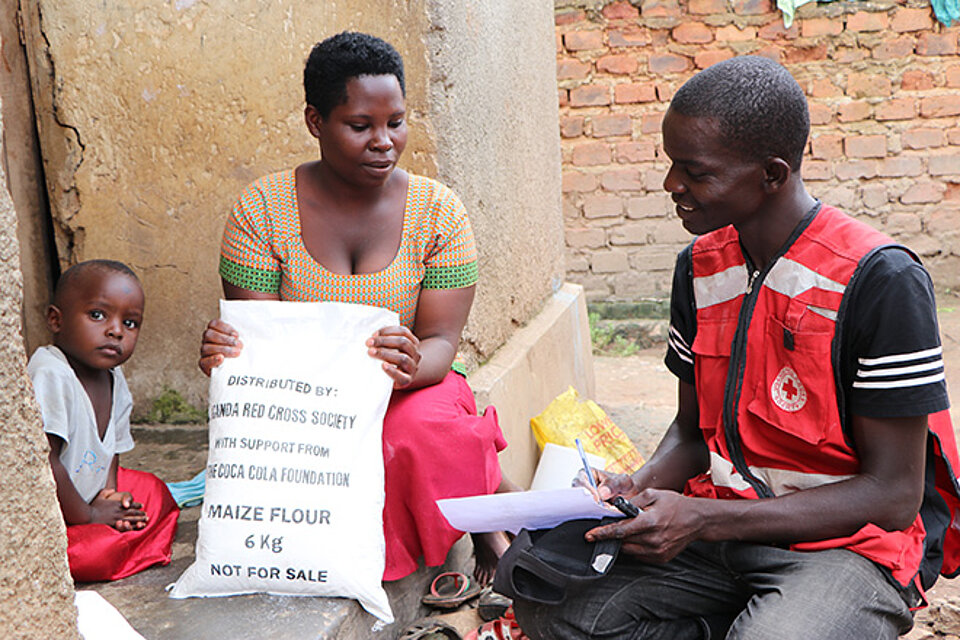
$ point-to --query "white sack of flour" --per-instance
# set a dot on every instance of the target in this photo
(294, 478)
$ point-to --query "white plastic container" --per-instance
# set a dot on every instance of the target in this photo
(558, 467)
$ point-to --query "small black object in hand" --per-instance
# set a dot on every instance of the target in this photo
(626, 507)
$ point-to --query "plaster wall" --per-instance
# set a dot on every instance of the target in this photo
(24, 175)
(493, 105)
(153, 118)
(36, 595)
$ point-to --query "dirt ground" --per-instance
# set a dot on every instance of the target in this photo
(639, 394)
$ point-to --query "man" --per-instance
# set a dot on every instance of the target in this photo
(783, 499)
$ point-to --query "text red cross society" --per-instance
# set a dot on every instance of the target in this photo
(790, 390)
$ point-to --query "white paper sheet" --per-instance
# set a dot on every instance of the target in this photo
(97, 619)
(523, 510)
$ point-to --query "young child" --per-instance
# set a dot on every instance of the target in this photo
(119, 521)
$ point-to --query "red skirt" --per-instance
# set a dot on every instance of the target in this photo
(434, 446)
(99, 552)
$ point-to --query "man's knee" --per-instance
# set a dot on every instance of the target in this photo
(570, 622)
(880, 615)
(536, 620)
(824, 627)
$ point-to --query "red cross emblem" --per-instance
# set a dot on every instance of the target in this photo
(790, 390)
(787, 391)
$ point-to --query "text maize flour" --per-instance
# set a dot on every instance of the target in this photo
(294, 478)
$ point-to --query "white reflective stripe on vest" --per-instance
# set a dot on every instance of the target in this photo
(720, 287)
(829, 314)
(780, 481)
(783, 481)
(723, 474)
(791, 278)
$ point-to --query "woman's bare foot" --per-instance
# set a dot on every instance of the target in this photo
(487, 549)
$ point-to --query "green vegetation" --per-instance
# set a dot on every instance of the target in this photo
(646, 309)
(626, 328)
(620, 338)
(171, 408)
(607, 340)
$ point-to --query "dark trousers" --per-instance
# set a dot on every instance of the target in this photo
(730, 590)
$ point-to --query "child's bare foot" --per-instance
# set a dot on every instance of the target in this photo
(487, 549)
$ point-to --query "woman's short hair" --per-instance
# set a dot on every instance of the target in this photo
(759, 107)
(334, 61)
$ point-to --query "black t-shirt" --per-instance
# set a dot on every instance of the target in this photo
(891, 358)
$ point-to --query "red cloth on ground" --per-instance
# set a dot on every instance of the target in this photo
(99, 552)
(434, 446)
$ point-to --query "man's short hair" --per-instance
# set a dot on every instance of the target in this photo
(761, 110)
(339, 58)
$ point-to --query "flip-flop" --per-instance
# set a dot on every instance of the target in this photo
(429, 629)
(503, 628)
(451, 589)
(492, 605)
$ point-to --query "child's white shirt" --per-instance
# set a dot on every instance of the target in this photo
(68, 413)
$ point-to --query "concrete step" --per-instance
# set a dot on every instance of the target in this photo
(143, 601)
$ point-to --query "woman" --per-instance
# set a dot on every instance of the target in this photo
(352, 227)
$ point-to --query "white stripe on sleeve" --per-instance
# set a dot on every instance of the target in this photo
(900, 370)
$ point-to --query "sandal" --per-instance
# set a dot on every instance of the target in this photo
(451, 589)
(429, 629)
(503, 628)
(492, 605)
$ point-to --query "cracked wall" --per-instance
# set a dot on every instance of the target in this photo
(153, 118)
(21, 161)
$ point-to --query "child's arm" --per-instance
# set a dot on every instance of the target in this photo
(112, 472)
(102, 510)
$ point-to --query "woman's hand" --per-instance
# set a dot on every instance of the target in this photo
(220, 341)
(400, 351)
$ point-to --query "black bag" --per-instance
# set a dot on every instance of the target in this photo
(545, 564)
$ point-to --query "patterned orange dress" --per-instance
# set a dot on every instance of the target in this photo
(434, 443)
(263, 249)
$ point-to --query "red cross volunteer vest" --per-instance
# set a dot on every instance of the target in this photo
(767, 379)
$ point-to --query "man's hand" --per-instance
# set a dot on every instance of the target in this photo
(887, 493)
(609, 485)
(667, 523)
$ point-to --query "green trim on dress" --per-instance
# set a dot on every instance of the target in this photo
(455, 277)
(249, 278)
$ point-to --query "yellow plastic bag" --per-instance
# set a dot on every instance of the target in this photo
(567, 418)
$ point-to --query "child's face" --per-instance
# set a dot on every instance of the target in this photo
(98, 320)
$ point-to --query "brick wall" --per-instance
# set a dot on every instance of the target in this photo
(882, 79)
